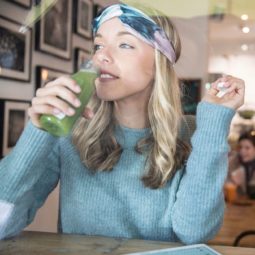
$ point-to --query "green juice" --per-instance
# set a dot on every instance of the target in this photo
(61, 125)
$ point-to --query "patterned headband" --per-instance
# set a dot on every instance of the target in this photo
(140, 25)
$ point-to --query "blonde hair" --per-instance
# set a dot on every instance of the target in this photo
(95, 139)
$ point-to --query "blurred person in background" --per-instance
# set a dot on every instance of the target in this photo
(243, 171)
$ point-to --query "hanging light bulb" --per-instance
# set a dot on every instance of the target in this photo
(245, 29)
(244, 17)
(244, 47)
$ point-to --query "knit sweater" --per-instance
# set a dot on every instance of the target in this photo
(189, 208)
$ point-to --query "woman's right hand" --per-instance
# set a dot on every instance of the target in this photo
(57, 96)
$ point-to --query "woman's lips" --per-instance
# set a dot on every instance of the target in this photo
(107, 76)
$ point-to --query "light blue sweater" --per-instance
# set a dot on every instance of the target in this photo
(189, 208)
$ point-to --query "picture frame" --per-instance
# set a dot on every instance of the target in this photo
(212, 77)
(45, 75)
(97, 8)
(54, 30)
(191, 95)
(81, 56)
(15, 51)
(14, 117)
(23, 3)
(83, 23)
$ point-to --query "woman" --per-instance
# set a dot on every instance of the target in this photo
(125, 172)
(244, 174)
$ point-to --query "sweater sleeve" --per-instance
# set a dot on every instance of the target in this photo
(199, 207)
(28, 174)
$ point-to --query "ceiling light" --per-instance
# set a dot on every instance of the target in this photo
(244, 17)
(245, 29)
(244, 47)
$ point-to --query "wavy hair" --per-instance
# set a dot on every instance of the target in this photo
(165, 153)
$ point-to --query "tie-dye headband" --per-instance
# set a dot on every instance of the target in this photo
(140, 25)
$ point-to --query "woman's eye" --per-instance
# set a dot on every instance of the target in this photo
(126, 46)
(97, 47)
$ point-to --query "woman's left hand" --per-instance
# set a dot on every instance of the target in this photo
(234, 96)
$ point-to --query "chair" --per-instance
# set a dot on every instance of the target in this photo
(242, 235)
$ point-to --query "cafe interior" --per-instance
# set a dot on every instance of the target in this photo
(217, 36)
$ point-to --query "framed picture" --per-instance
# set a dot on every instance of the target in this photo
(212, 77)
(191, 95)
(84, 17)
(24, 3)
(97, 8)
(54, 31)
(45, 75)
(13, 115)
(15, 51)
(81, 56)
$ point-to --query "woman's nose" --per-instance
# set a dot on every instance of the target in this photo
(103, 56)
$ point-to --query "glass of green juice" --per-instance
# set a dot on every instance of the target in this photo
(61, 124)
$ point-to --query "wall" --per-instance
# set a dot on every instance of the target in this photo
(194, 57)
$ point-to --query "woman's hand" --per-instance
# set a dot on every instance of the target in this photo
(55, 97)
(88, 113)
(234, 96)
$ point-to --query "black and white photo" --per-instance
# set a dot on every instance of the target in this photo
(81, 56)
(45, 75)
(97, 9)
(23, 3)
(84, 11)
(54, 31)
(191, 90)
(15, 51)
(13, 120)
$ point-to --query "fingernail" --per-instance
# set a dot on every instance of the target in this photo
(77, 88)
(56, 111)
(77, 102)
(70, 111)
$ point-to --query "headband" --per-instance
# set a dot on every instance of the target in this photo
(140, 25)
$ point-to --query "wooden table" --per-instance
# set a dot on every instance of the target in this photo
(238, 217)
(38, 243)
